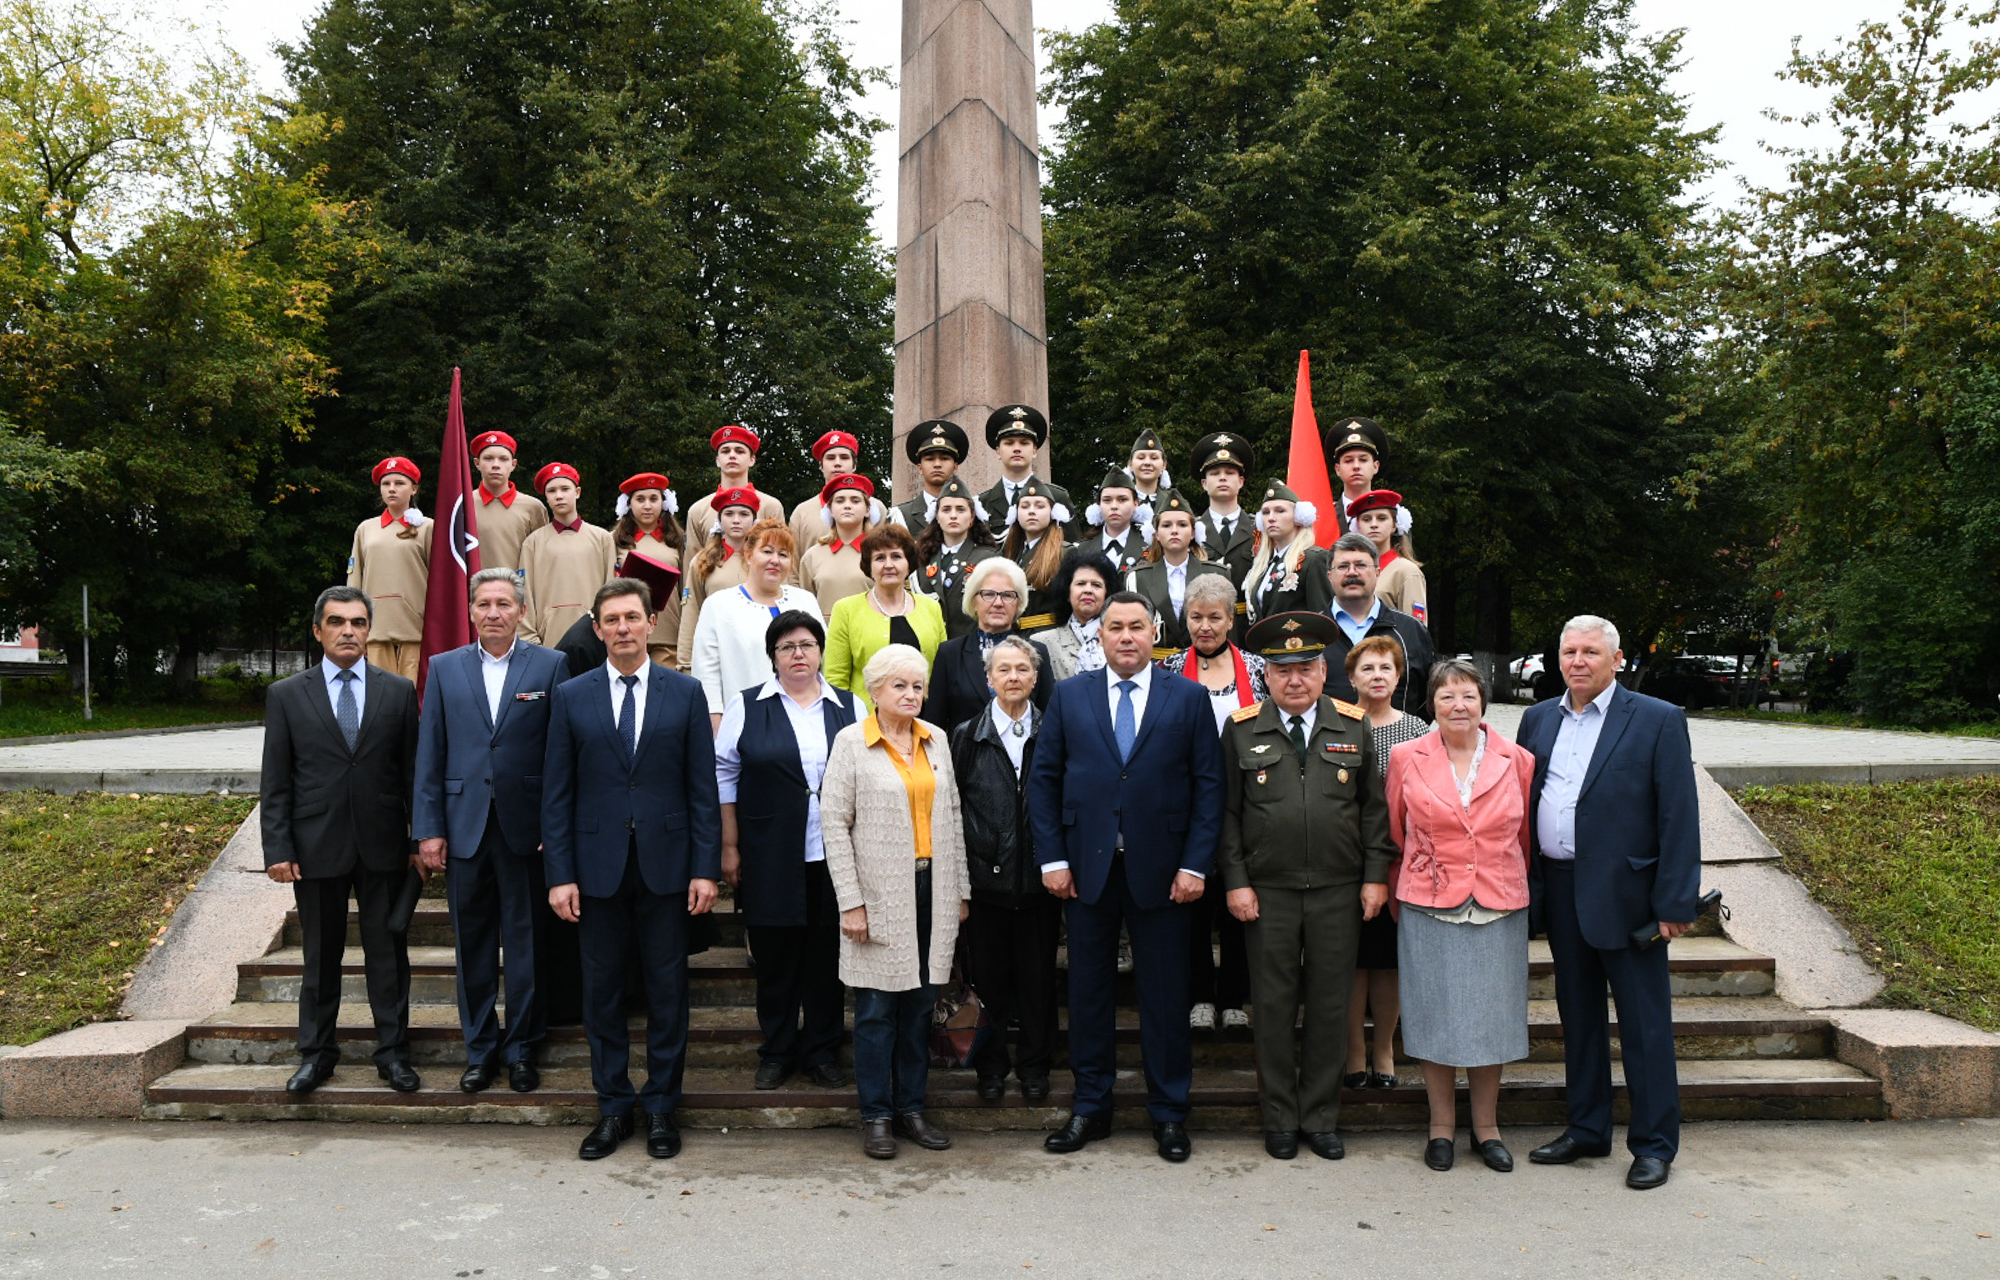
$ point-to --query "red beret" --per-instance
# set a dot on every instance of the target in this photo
(1375, 500)
(740, 496)
(487, 439)
(397, 467)
(556, 471)
(644, 480)
(741, 435)
(835, 440)
(851, 480)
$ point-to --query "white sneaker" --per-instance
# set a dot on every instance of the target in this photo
(1202, 1017)
(1235, 1020)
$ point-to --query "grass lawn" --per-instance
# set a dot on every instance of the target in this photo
(1913, 870)
(1988, 728)
(35, 708)
(87, 884)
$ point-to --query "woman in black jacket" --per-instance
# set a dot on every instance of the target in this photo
(1010, 954)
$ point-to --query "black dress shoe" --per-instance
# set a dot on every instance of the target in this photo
(922, 1132)
(663, 1137)
(1281, 1146)
(1354, 1080)
(772, 1074)
(1078, 1132)
(1565, 1150)
(523, 1076)
(604, 1139)
(1647, 1172)
(1495, 1154)
(1381, 1079)
(828, 1075)
(877, 1142)
(310, 1075)
(992, 1088)
(1327, 1146)
(1172, 1139)
(477, 1077)
(402, 1077)
(1440, 1153)
(1035, 1088)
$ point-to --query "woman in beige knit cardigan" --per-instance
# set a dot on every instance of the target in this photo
(894, 847)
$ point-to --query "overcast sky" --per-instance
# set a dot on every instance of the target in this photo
(1732, 53)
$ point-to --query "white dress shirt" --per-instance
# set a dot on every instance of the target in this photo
(1310, 715)
(1569, 760)
(638, 697)
(1177, 586)
(1016, 743)
(330, 671)
(494, 672)
(808, 726)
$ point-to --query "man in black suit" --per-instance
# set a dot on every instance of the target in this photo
(340, 750)
(1361, 613)
(632, 841)
(995, 592)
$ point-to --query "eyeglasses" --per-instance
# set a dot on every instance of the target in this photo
(994, 597)
(799, 648)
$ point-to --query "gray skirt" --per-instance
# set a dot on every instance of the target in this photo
(1465, 989)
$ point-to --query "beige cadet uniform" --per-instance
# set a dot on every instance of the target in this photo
(808, 526)
(563, 572)
(392, 563)
(727, 574)
(1401, 585)
(504, 524)
(700, 523)
(832, 575)
(663, 646)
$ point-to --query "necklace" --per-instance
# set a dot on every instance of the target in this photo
(884, 609)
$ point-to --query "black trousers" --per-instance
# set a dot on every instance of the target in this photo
(1159, 960)
(1226, 986)
(493, 895)
(653, 927)
(558, 960)
(798, 977)
(1010, 959)
(381, 899)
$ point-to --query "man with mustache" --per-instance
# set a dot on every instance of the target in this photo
(1360, 614)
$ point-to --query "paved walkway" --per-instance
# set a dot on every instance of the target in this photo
(1829, 1200)
(190, 761)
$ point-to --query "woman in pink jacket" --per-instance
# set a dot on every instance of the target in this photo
(1458, 809)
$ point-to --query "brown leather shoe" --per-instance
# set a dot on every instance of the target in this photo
(877, 1143)
(922, 1132)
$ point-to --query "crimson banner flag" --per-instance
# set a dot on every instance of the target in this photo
(1305, 468)
(454, 545)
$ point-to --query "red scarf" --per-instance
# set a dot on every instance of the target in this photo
(1191, 668)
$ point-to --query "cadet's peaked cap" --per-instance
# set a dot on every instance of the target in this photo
(938, 435)
(1148, 439)
(835, 440)
(1356, 433)
(1299, 636)
(1224, 449)
(1278, 491)
(490, 439)
(1016, 420)
(398, 466)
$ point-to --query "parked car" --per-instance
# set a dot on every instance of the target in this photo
(1698, 681)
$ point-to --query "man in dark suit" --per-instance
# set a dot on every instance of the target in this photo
(478, 806)
(995, 591)
(1125, 799)
(340, 750)
(1618, 852)
(632, 839)
(1360, 613)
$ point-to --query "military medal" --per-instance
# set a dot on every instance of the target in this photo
(1262, 773)
(1343, 775)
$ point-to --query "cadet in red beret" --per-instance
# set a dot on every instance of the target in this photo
(391, 561)
(506, 515)
(564, 562)
(718, 566)
(647, 527)
(830, 567)
(837, 453)
(735, 453)
(1380, 516)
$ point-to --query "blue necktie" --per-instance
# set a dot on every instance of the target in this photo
(628, 717)
(1125, 727)
(346, 711)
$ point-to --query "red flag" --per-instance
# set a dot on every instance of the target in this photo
(1305, 469)
(454, 545)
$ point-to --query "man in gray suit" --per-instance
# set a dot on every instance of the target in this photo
(340, 749)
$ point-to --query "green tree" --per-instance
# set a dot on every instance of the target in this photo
(629, 223)
(1860, 308)
(1473, 212)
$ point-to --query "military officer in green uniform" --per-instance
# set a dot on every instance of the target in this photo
(1304, 859)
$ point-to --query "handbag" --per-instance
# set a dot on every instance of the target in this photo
(959, 1022)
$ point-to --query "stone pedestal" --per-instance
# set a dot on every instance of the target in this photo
(970, 329)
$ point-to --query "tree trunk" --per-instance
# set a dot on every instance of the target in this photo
(187, 666)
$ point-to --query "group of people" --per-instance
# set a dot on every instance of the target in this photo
(1197, 746)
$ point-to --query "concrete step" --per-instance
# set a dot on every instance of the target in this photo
(1224, 1098)
(431, 926)
(723, 976)
(1705, 1027)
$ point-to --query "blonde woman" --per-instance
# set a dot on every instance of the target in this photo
(1289, 572)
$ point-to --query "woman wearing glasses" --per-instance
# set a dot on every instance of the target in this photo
(994, 591)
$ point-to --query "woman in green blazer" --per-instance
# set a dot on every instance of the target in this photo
(885, 614)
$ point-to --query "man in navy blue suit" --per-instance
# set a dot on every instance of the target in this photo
(632, 838)
(478, 807)
(1618, 852)
(1125, 799)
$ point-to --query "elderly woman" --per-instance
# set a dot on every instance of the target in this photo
(992, 595)
(729, 654)
(1078, 595)
(1375, 669)
(885, 614)
(770, 756)
(1458, 809)
(896, 851)
(1010, 953)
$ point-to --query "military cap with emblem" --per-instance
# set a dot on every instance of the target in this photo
(1016, 420)
(1298, 636)
(1148, 439)
(1171, 500)
(1224, 449)
(936, 435)
(1117, 478)
(1356, 433)
(1279, 491)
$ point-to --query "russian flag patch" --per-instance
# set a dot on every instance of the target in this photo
(1417, 611)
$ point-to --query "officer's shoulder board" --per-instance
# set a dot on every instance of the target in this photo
(1241, 714)
(1349, 710)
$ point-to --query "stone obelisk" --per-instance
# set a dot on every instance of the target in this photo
(970, 328)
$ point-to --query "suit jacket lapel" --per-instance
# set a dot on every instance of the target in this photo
(1153, 712)
(1493, 768)
(1434, 767)
(517, 671)
(371, 706)
(607, 722)
(656, 712)
(1098, 682)
(475, 683)
(316, 694)
(1617, 718)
